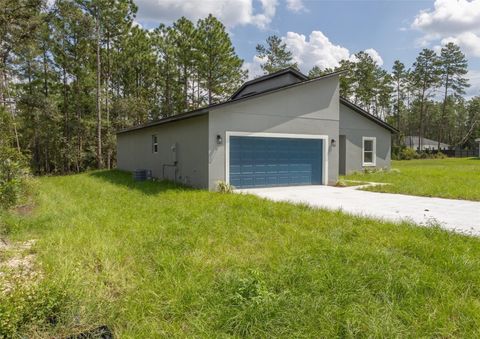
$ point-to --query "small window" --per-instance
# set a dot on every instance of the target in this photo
(154, 144)
(369, 151)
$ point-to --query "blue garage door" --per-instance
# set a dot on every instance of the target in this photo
(265, 162)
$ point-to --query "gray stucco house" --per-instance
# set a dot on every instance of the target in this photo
(281, 129)
(413, 142)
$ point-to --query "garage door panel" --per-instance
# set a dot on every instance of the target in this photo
(263, 162)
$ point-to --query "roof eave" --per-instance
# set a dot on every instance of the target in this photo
(173, 118)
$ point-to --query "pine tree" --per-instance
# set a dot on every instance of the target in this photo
(347, 79)
(399, 77)
(185, 34)
(425, 76)
(452, 66)
(366, 81)
(19, 19)
(219, 66)
(165, 50)
(276, 54)
(316, 71)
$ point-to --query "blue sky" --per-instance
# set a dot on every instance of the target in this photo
(320, 32)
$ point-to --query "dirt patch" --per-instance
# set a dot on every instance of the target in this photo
(18, 266)
(24, 210)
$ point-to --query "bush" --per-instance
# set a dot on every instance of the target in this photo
(407, 154)
(30, 307)
(224, 187)
(13, 177)
(439, 155)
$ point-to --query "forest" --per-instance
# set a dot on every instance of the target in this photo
(74, 72)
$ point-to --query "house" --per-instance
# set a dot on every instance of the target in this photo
(412, 142)
(280, 129)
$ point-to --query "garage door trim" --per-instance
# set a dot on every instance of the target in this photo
(228, 134)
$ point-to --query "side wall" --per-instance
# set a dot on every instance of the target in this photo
(311, 108)
(355, 127)
(134, 150)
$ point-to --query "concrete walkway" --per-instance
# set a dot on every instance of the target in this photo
(461, 216)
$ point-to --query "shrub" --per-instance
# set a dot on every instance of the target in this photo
(224, 187)
(13, 177)
(440, 155)
(341, 183)
(408, 154)
(29, 307)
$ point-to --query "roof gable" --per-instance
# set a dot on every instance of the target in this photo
(367, 115)
(268, 82)
(413, 141)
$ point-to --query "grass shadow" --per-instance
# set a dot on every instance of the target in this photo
(150, 187)
(475, 158)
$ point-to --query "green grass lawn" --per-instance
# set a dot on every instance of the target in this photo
(455, 178)
(153, 260)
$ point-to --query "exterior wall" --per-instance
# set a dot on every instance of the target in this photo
(134, 150)
(355, 127)
(279, 81)
(312, 108)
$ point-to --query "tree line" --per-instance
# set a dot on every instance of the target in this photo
(75, 71)
(424, 100)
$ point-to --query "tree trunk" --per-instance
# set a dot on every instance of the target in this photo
(398, 113)
(99, 113)
(45, 72)
(420, 132)
(107, 107)
(3, 81)
(65, 119)
(444, 108)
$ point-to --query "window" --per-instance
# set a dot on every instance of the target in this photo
(154, 144)
(369, 151)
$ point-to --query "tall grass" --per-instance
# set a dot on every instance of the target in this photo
(454, 178)
(154, 260)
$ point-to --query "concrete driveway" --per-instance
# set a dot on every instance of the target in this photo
(461, 216)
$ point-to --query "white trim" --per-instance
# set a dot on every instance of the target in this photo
(374, 151)
(154, 143)
(325, 139)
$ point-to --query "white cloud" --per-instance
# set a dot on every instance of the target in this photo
(451, 20)
(375, 56)
(474, 89)
(372, 53)
(316, 50)
(254, 67)
(296, 6)
(468, 40)
(135, 23)
(231, 12)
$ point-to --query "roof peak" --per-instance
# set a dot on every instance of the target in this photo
(289, 70)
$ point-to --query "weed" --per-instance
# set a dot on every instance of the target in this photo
(224, 187)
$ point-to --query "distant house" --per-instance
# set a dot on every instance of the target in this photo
(427, 144)
(281, 129)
